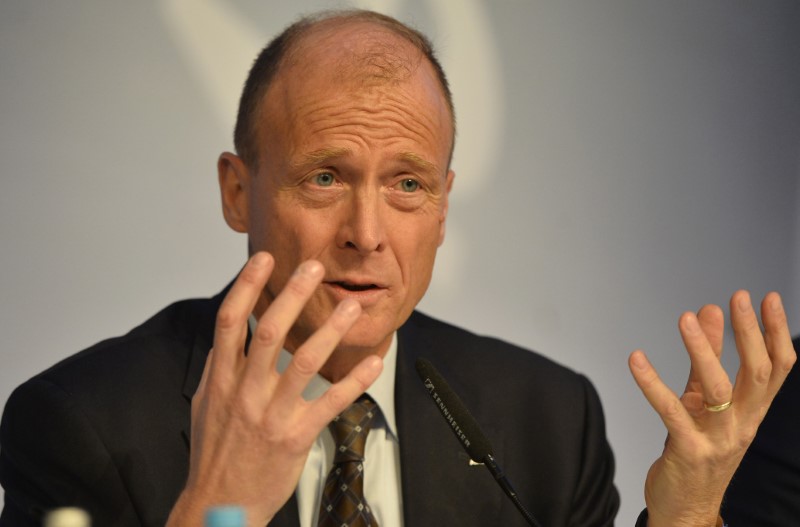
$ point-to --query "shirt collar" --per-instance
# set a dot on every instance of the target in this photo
(381, 391)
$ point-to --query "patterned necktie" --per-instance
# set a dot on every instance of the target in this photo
(343, 503)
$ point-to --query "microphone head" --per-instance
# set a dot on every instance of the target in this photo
(461, 422)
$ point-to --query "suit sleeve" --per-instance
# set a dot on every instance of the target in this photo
(765, 490)
(596, 499)
(51, 456)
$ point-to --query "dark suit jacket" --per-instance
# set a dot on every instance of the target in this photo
(108, 430)
(765, 490)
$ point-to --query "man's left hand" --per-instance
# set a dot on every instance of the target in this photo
(712, 424)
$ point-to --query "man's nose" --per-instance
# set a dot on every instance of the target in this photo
(362, 226)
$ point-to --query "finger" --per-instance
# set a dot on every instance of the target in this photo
(712, 322)
(343, 393)
(230, 332)
(201, 387)
(778, 340)
(312, 355)
(661, 398)
(755, 370)
(277, 320)
(716, 386)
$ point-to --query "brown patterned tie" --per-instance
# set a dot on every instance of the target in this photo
(343, 503)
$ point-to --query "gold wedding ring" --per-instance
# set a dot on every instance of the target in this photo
(717, 407)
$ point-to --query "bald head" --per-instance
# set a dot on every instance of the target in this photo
(354, 48)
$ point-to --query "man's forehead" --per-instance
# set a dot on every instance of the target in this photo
(340, 64)
(347, 60)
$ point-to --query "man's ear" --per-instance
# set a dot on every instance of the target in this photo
(234, 185)
(442, 220)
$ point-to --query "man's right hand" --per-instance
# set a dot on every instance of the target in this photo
(251, 428)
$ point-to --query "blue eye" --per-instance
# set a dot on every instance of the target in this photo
(324, 179)
(409, 185)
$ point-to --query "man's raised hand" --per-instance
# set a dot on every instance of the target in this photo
(711, 425)
(251, 428)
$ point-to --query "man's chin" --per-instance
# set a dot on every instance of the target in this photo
(365, 343)
(368, 336)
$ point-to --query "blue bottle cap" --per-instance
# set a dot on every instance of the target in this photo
(225, 516)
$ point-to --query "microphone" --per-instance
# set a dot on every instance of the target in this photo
(467, 431)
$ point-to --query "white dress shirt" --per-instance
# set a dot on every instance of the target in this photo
(381, 457)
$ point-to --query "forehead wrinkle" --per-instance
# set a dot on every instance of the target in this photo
(434, 123)
(364, 121)
(390, 111)
(360, 113)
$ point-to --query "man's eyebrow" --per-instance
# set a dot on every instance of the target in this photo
(324, 155)
(320, 157)
(420, 163)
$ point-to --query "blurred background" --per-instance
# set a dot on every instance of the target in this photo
(618, 162)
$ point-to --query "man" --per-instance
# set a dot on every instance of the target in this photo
(341, 182)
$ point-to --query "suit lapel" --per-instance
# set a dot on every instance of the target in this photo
(288, 516)
(440, 487)
(203, 340)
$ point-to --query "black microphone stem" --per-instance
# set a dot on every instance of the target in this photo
(466, 430)
(505, 484)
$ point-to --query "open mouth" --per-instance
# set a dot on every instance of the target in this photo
(355, 287)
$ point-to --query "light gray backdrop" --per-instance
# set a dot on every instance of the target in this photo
(619, 162)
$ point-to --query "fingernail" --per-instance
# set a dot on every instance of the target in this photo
(349, 308)
(310, 268)
(260, 259)
(775, 303)
(639, 362)
(744, 302)
(375, 363)
(691, 325)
